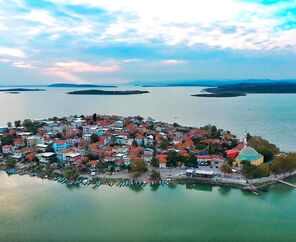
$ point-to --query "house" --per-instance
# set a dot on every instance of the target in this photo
(34, 140)
(210, 158)
(46, 157)
(101, 132)
(149, 140)
(73, 157)
(68, 156)
(162, 160)
(120, 139)
(148, 154)
(92, 163)
(7, 149)
(19, 142)
(42, 147)
(200, 173)
(87, 137)
(118, 124)
(139, 139)
(61, 145)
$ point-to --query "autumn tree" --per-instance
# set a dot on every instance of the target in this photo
(225, 168)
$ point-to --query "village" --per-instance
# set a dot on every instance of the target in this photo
(97, 149)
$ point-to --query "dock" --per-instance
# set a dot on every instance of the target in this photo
(287, 183)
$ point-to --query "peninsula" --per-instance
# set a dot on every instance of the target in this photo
(102, 92)
(242, 89)
(126, 151)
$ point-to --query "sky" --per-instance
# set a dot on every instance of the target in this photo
(120, 41)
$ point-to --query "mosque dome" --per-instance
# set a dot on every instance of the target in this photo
(249, 153)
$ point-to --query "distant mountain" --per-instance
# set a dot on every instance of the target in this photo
(78, 85)
(205, 83)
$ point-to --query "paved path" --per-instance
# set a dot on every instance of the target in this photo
(287, 183)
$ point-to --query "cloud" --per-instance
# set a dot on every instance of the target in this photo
(39, 16)
(227, 24)
(132, 60)
(67, 70)
(22, 64)
(75, 66)
(173, 62)
(12, 52)
(2, 27)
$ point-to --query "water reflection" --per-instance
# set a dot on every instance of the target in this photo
(224, 190)
(199, 187)
(154, 188)
(136, 188)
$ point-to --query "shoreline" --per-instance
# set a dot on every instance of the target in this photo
(183, 180)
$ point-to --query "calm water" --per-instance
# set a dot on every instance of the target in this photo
(32, 209)
(272, 116)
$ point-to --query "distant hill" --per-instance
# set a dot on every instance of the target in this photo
(78, 85)
(204, 83)
(242, 89)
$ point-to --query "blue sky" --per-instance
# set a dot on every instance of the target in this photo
(118, 41)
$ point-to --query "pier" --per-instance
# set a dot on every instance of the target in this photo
(287, 183)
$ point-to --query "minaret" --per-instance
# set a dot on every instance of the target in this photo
(246, 139)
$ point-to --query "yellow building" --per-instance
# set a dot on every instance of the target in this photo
(250, 154)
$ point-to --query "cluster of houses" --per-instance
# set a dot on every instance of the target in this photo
(87, 141)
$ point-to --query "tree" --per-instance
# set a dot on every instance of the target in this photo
(7, 139)
(154, 162)
(277, 165)
(225, 168)
(27, 123)
(94, 117)
(9, 125)
(17, 123)
(290, 162)
(94, 138)
(10, 163)
(71, 173)
(260, 144)
(138, 166)
(112, 169)
(263, 170)
(155, 175)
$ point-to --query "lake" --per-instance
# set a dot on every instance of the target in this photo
(269, 115)
(32, 209)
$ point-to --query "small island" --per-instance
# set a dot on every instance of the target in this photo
(71, 85)
(242, 89)
(102, 92)
(17, 90)
(226, 94)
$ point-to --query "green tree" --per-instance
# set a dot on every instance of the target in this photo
(263, 170)
(7, 139)
(155, 175)
(17, 123)
(94, 138)
(71, 173)
(154, 162)
(277, 165)
(10, 163)
(94, 117)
